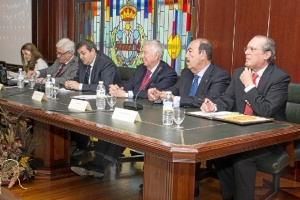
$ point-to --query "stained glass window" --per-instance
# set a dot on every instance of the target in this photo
(127, 24)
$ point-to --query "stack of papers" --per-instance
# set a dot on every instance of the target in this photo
(232, 117)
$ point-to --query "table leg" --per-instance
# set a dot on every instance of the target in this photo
(165, 179)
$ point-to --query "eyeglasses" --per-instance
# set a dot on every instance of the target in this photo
(252, 49)
(61, 54)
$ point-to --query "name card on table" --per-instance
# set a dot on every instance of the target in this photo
(126, 115)
(39, 96)
(80, 105)
(2, 87)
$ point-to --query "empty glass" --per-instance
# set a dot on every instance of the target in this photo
(111, 100)
(32, 82)
(179, 115)
(56, 88)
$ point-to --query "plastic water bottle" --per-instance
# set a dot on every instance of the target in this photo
(100, 96)
(20, 83)
(49, 87)
(168, 110)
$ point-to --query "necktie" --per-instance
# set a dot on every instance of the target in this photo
(145, 80)
(60, 70)
(87, 74)
(248, 110)
(194, 87)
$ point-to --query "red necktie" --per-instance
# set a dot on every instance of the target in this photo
(145, 80)
(60, 70)
(248, 110)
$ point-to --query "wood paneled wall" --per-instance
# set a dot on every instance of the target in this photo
(228, 24)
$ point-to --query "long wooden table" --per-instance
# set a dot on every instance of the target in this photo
(170, 153)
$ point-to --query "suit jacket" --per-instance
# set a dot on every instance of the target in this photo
(69, 71)
(213, 83)
(104, 70)
(268, 99)
(163, 77)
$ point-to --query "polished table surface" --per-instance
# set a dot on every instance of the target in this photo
(168, 151)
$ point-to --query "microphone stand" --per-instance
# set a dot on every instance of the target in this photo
(133, 105)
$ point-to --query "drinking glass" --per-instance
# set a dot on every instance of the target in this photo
(111, 100)
(179, 115)
(56, 88)
(32, 82)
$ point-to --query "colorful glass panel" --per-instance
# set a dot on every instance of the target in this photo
(129, 23)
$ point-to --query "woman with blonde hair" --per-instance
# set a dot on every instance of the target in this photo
(32, 59)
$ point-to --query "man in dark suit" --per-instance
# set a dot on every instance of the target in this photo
(152, 73)
(64, 67)
(211, 80)
(260, 88)
(94, 66)
(202, 79)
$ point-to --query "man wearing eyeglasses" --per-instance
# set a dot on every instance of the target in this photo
(260, 88)
(64, 67)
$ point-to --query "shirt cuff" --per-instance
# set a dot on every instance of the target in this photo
(176, 101)
(130, 95)
(247, 89)
(37, 73)
(80, 86)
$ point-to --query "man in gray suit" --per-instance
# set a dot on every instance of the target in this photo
(65, 66)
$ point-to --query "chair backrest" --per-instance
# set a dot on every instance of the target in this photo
(125, 73)
(293, 104)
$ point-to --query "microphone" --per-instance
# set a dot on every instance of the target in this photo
(133, 105)
(137, 106)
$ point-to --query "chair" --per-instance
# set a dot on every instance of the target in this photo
(125, 74)
(275, 163)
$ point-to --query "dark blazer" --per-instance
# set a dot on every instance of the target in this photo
(163, 77)
(213, 83)
(104, 70)
(267, 100)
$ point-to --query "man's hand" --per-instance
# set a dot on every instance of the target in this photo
(207, 106)
(117, 91)
(41, 80)
(246, 77)
(72, 85)
(31, 74)
(153, 94)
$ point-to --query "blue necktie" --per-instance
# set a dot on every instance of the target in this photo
(194, 86)
(87, 74)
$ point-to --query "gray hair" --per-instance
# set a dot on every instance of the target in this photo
(269, 45)
(156, 46)
(68, 44)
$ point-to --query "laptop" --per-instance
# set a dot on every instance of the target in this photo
(3, 76)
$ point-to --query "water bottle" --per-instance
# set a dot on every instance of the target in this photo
(168, 111)
(20, 83)
(49, 87)
(100, 96)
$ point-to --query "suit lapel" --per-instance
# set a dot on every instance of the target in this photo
(205, 79)
(153, 74)
(265, 76)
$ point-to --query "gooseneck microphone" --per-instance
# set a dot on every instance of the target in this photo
(137, 106)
